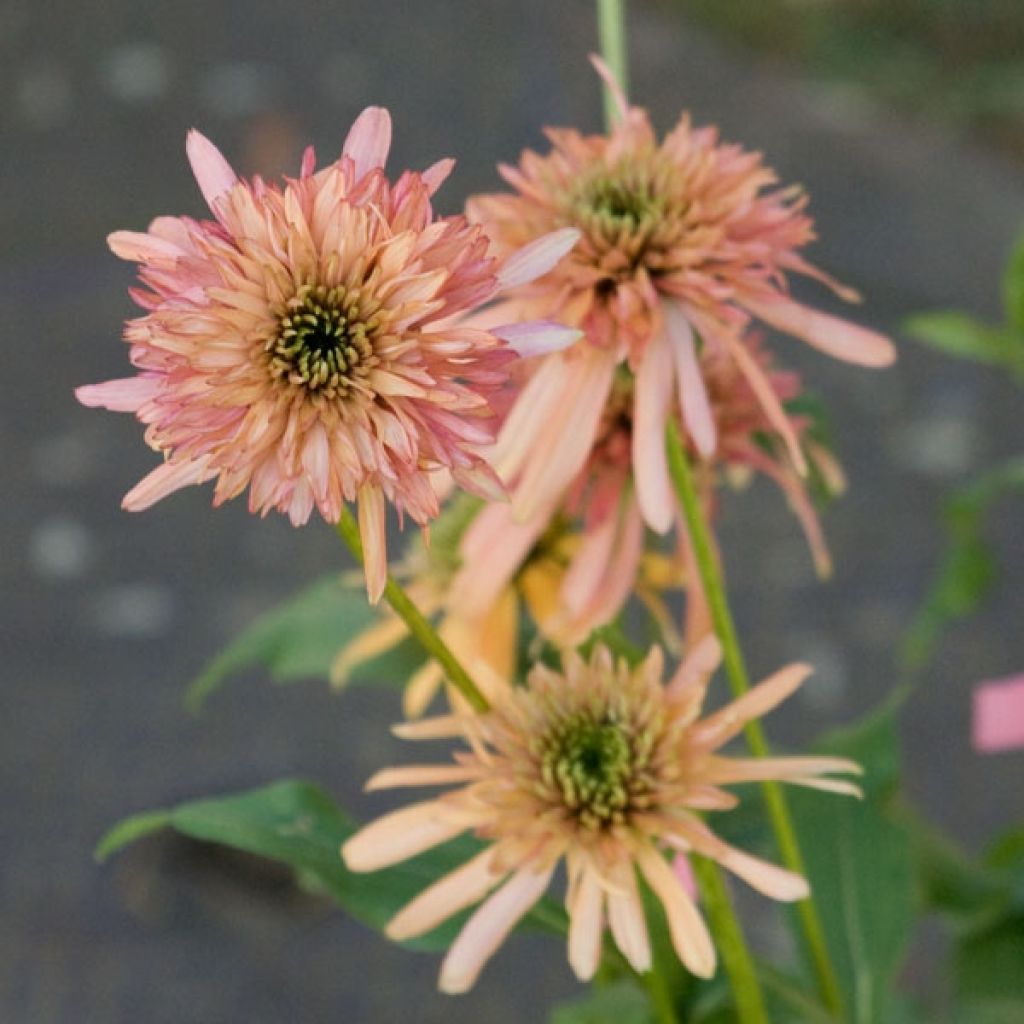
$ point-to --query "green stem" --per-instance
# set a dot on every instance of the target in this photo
(419, 626)
(611, 32)
(729, 938)
(739, 680)
(660, 995)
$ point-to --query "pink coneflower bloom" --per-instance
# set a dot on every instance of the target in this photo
(600, 766)
(305, 343)
(684, 242)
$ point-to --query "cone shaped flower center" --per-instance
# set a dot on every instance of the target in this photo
(616, 201)
(324, 343)
(589, 766)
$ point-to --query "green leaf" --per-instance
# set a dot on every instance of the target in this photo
(969, 566)
(300, 639)
(859, 864)
(620, 1003)
(990, 1011)
(989, 963)
(298, 824)
(957, 334)
(1013, 286)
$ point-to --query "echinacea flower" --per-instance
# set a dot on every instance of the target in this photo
(684, 243)
(304, 344)
(602, 767)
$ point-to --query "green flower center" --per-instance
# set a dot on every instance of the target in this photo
(589, 764)
(323, 343)
(614, 201)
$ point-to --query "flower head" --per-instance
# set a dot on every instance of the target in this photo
(684, 242)
(302, 344)
(602, 767)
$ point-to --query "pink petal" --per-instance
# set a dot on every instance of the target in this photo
(683, 870)
(485, 931)
(697, 667)
(999, 715)
(368, 140)
(143, 248)
(373, 532)
(837, 337)
(627, 924)
(537, 337)
(436, 174)
(164, 480)
(693, 396)
(537, 258)
(652, 399)
(586, 926)
(400, 835)
(124, 395)
(213, 173)
(612, 83)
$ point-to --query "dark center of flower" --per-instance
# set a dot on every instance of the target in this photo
(323, 343)
(589, 763)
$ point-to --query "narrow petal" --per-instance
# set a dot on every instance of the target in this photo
(491, 923)
(798, 771)
(537, 337)
(213, 173)
(830, 334)
(441, 727)
(125, 395)
(690, 937)
(368, 140)
(652, 399)
(400, 835)
(697, 667)
(447, 896)
(537, 258)
(437, 173)
(613, 84)
(585, 926)
(693, 395)
(999, 715)
(419, 775)
(164, 480)
(720, 727)
(373, 532)
(628, 926)
(144, 248)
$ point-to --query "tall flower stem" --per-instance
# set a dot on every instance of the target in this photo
(739, 681)
(611, 32)
(419, 626)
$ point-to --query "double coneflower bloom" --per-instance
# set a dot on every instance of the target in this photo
(602, 767)
(305, 343)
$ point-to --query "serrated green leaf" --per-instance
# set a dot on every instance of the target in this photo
(298, 824)
(1013, 286)
(620, 1003)
(300, 639)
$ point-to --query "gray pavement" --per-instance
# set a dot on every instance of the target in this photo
(107, 615)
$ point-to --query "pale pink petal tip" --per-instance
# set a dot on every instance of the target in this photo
(373, 533)
(613, 84)
(213, 173)
(537, 338)
(369, 140)
(999, 715)
(436, 174)
(537, 258)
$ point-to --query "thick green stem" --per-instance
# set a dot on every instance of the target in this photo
(739, 680)
(419, 626)
(611, 32)
(730, 942)
(660, 995)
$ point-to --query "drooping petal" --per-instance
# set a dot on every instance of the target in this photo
(488, 927)
(373, 533)
(368, 141)
(836, 337)
(125, 395)
(652, 399)
(693, 395)
(164, 480)
(627, 923)
(586, 926)
(213, 173)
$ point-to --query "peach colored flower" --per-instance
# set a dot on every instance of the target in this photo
(601, 766)
(684, 242)
(304, 344)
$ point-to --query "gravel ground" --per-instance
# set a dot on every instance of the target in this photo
(109, 614)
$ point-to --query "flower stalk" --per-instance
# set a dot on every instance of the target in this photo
(419, 626)
(739, 681)
(611, 34)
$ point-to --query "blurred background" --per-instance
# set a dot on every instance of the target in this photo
(904, 118)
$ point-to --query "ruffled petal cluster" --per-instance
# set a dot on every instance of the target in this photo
(305, 344)
(601, 767)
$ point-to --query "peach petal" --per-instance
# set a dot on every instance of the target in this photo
(830, 334)
(418, 775)
(440, 727)
(697, 667)
(213, 173)
(373, 533)
(690, 937)
(453, 892)
(693, 395)
(400, 835)
(368, 141)
(536, 338)
(537, 258)
(652, 400)
(628, 926)
(585, 926)
(488, 927)
(143, 248)
(165, 480)
(125, 395)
